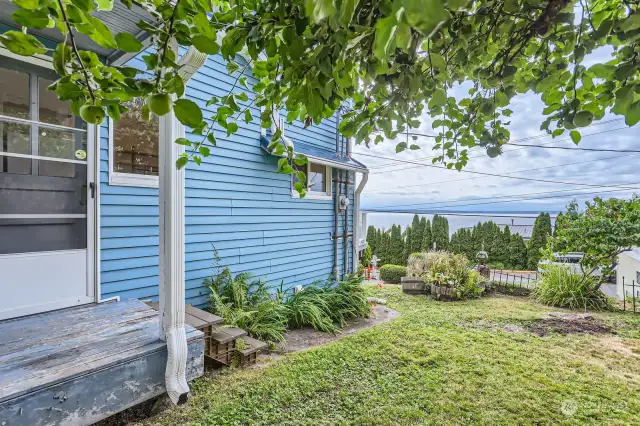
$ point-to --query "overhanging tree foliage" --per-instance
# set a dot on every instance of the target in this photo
(394, 61)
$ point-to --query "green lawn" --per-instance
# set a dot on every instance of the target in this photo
(439, 363)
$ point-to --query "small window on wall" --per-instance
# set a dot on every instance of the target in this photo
(134, 145)
(318, 181)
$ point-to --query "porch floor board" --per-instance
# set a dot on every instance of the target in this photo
(57, 349)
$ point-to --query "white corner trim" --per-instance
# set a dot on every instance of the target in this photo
(126, 179)
(356, 220)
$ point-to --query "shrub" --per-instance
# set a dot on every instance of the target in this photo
(419, 263)
(453, 271)
(392, 273)
(360, 269)
(247, 304)
(563, 287)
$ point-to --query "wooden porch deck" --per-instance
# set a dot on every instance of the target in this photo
(79, 365)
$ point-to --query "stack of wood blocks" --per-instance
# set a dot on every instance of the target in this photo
(221, 343)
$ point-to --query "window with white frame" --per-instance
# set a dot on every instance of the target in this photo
(318, 180)
(134, 145)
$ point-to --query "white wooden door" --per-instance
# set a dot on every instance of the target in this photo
(46, 199)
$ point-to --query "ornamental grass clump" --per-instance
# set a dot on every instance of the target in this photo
(419, 264)
(563, 287)
(248, 304)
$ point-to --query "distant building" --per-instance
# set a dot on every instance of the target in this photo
(524, 231)
(628, 269)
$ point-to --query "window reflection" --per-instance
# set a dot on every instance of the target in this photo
(135, 141)
(14, 93)
(317, 177)
(16, 139)
(54, 111)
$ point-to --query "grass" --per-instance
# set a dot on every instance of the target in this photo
(439, 363)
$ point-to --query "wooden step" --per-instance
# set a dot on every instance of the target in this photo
(253, 345)
(196, 318)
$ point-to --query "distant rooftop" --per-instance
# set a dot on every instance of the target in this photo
(524, 231)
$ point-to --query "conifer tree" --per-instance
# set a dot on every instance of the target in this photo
(371, 237)
(407, 245)
(541, 230)
(417, 233)
(396, 245)
(517, 252)
(427, 241)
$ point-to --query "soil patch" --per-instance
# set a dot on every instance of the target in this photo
(308, 337)
(543, 327)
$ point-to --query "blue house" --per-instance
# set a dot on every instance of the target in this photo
(91, 215)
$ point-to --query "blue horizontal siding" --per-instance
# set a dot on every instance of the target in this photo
(235, 202)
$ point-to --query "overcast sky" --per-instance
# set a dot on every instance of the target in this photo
(403, 186)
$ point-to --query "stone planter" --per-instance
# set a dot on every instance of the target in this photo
(443, 293)
(412, 285)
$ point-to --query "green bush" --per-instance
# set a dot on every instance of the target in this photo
(563, 287)
(360, 269)
(392, 273)
(419, 264)
(453, 271)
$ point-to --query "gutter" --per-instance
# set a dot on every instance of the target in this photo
(172, 275)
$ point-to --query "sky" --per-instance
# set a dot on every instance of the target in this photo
(409, 187)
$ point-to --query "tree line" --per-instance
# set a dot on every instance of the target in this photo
(505, 250)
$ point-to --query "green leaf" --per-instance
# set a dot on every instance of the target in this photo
(204, 26)
(557, 132)
(205, 44)
(182, 161)
(575, 136)
(401, 147)
(247, 116)
(633, 114)
(38, 19)
(188, 112)
(414, 147)
(204, 151)
(183, 141)
(231, 128)
(212, 139)
(31, 4)
(101, 34)
(106, 5)
(439, 98)
(385, 32)
(84, 5)
(347, 8)
(426, 15)
(128, 43)
(403, 36)
(317, 10)
(197, 159)
(631, 23)
(22, 44)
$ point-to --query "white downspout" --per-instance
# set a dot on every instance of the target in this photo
(172, 243)
(356, 219)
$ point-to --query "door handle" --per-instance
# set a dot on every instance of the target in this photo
(92, 186)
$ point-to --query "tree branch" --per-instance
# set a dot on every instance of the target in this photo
(75, 50)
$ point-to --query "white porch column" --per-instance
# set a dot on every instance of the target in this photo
(172, 254)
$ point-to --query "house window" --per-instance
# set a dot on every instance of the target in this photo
(318, 181)
(134, 144)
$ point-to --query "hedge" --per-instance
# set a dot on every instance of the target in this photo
(392, 273)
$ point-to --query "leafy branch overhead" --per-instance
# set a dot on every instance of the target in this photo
(392, 62)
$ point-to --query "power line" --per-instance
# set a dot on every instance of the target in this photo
(498, 175)
(579, 149)
(516, 215)
(515, 200)
(523, 146)
(564, 191)
(516, 171)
